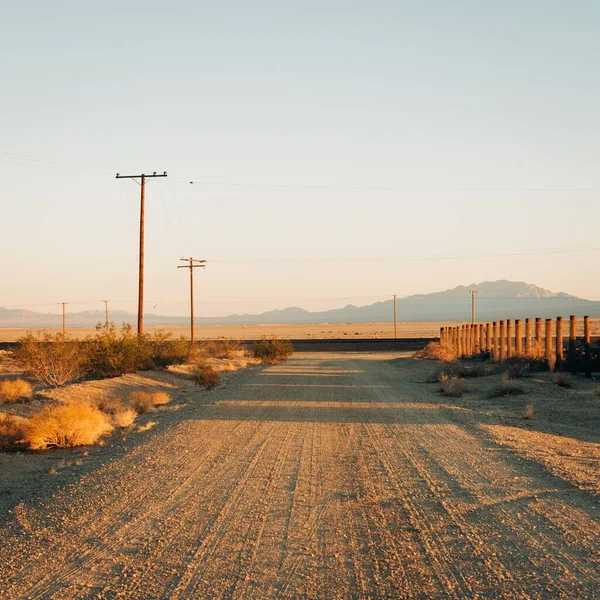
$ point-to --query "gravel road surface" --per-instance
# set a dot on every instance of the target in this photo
(328, 476)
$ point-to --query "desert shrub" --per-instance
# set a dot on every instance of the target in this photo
(67, 425)
(436, 351)
(563, 379)
(166, 351)
(463, 370)
(272, 350)
(15, 390)
(52, 359)
(529, 411)
(146, 402)
(453, 387)
(221, 348)
(507, 386)
(111, 354)
(124, 417)
(207, 376)
(521, 366)
(12, 431)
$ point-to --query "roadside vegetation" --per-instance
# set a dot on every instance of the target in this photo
(15, 390)
(272, 350)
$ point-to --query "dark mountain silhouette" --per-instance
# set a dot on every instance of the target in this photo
(495, 300)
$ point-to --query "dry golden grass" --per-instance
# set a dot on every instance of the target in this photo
(436, 351)
(12, 431)
(110, 405)
(124, 417)
(146, 402)
(453, 387)
(65, 426)
(15, 390)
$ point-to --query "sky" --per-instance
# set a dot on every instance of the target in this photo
(341, 152)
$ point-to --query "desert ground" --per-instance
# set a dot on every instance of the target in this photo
(326, 476)
(286, 331)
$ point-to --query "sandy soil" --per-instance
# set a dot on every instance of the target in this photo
(255, 332)
(328, 476)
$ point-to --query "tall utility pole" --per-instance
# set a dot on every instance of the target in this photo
(193, 264)
(106, 309)
(64, 321)
(142, 183)
(395, 329)
(473, 292)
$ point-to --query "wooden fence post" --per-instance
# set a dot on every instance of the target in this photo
(459, 335)
(518, 338)
(488, 337)
(572, 342)
(495, 341)
(548, 343)
(528, 349)
(587, 340)
(560, 354)
(502, 340)
(442, 335)
(509, 352)
(476, 348)
(482, 337)
(538, 337)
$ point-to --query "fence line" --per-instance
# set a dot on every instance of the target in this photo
(504, 339)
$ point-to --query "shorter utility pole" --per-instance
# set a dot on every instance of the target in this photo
(106, 310)
(193, 264)
(473, 292)
(395, 328)
(64, 322)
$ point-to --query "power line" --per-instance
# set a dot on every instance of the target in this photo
(386, 188)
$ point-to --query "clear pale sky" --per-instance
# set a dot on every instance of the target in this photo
(324, 102)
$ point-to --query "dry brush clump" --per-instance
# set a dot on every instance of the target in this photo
(66, 426)
(124, 417)
(206, 375)
(12, 432)
(15, 390)
(271, 350)
(563, 379)
(522, 366)
(219, 348)
(507, 386)
(146, 402)
(463, 370)
(52, 359)
(436, 351)
(451, 386)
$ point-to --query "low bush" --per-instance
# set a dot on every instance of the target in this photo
(453, 387)
(462, 370)
(207, 376)
(521, 366)
(563, 379)
(12, 431)
(271, 350)
(67, 425)
(146, 402)
(15, 390)
(124, 417)
(436, 351)
(507, 386)
(221, 348)
(52, 359)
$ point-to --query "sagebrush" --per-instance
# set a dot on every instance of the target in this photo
(207, 376)
(451, 386)
(436, 351)
(15, 390)
(271, 350)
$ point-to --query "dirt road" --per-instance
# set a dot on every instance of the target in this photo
(328, 476)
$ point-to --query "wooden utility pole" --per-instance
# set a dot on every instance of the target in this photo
(193, 264)
(142, 183)
(64, 321)
(473, 292)
(395, 328)
(106, 310)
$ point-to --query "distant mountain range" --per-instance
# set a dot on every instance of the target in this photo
(495, 300)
